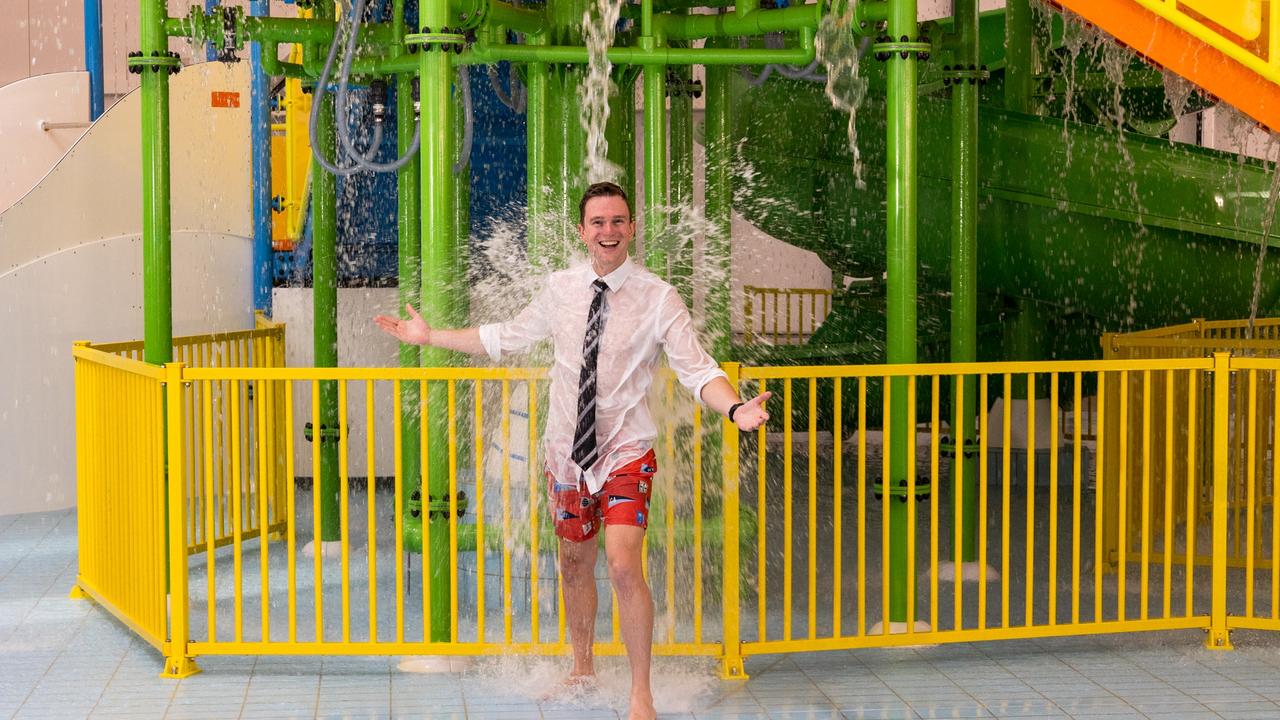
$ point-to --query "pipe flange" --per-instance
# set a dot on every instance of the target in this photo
(886, 47)
(445, 40)
(138, 62)
(959, 74)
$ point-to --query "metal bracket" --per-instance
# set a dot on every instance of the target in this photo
(947, 448)
(678, 87)
(447, 39)
(958, 74)
(138, 63)
(899, 491)
(886, 46)
(231, 18)
(327, 434)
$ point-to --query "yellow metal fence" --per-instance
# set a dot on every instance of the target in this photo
(768, 543)
(783, 316)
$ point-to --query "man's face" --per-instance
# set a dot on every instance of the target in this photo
(607, 231)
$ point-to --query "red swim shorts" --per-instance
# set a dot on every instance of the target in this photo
(624, 500)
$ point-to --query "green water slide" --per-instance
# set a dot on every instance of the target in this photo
(1082, 227)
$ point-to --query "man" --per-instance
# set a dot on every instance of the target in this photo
(608, 319)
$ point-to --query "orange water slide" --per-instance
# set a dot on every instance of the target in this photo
(1229, 48)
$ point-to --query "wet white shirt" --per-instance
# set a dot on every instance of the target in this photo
(644, 315)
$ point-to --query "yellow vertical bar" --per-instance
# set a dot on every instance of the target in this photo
(1219, 639)
(911, 505)
(344, 510)
(535, 607)
(317, 545)
(761, 526)
(1076, 471)
(179, 605)
(1099, 466)
(453, 508)
(236, 513)
(1006, 424)
(209, 554)
(1053, 499)
(1031, 500)
(397, 509)
(670, 505)
(732, 663)
(697, 523)
(984, 422)
(1122, 511)
(786, 510)
(1169, 479)
(934, 488)
(478, 439)
(957, 502)
(1275, 498)
(1145, 571)
(862, 507)
(291, 512)
(506, 510)
(885, 486)
(371, 487)
(837, 482)
(813, 508)
(1193, 480)
(264, 536)
(424, 475)
(1251, 481)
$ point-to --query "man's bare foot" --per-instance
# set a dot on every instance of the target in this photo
(642, 707)
(571, 686)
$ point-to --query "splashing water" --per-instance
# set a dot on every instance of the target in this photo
(598, 28)
(1177, 91)
(845, 87)
(1269, 214)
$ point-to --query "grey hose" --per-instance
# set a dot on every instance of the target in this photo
(518, 98)
(464, 153)
(365, 160)
(318, 94)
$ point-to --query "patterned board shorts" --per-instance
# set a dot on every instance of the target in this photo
(624, 500)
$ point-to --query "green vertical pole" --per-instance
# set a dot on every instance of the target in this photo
(901, 300)
(719, 202)
(536, 159)
(439, 290)
(408, 223)
(620, 131)
(324, 272)
(1019, 33)
(964, 269)
(682, 177)
(655, 160)
(157, 265)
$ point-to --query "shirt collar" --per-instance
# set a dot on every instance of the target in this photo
(616, 278)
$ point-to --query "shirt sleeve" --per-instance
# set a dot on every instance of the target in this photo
(693, 366)
(521, 332)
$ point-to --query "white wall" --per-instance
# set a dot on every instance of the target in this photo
(71, 268)
(27, 151)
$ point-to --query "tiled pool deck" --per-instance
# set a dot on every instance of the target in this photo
(63, 658)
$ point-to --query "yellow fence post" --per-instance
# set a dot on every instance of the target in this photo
(731, 667)
(178, 663)
(1219, 636)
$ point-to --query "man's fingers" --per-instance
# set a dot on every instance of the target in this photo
(412, 312)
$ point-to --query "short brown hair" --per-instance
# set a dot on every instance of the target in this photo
(602, 189)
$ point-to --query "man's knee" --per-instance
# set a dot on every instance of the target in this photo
(626, 574)
(578, 559)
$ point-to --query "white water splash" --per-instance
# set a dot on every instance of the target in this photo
(598, 28)
(837, 48)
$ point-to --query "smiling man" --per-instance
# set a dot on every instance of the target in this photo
(608, 319)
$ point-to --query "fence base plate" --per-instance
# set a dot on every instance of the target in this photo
(180, 667)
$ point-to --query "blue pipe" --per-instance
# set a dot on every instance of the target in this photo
(93, 55)
(260, 140)
(210, 54)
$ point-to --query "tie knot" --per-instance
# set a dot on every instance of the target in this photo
(600, 285)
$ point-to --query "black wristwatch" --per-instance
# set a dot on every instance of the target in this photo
(733, 409)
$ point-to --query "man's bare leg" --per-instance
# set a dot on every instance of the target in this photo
(577, 572)
(623, 546)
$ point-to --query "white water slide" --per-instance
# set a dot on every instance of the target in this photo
(71, 255)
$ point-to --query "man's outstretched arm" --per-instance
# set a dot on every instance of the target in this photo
(719, 395)
(416, 331)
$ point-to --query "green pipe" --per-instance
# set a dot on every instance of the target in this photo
(273, 66)
(1019, 30)
(655, 165)
(439, 286)
(486, 54)
(964, 271)
(753, 22)
(519, 19)
(324, 225)
(536, 161)
(719, 200)
(682, 178)
(901, 287)
(157, 263)
(410, 291)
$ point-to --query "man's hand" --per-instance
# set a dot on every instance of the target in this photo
(414, 331)
(751, 414)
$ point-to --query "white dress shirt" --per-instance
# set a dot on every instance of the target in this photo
(644, 314)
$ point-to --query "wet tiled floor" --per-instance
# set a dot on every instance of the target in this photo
(63, 658)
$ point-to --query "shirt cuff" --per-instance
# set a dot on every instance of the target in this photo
(705, 380)
(489, 338)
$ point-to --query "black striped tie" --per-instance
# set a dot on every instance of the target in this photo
(584, 436)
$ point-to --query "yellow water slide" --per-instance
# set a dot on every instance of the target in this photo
(1229, 48)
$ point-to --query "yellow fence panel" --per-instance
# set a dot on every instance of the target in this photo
(120, 477)
(783, 316)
